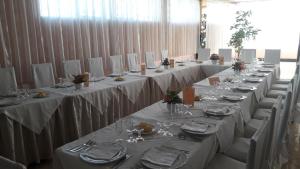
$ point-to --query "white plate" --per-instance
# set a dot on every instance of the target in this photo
(64, 85)
(243, 88)
(235, 98)
(123, 150)
(264, 70)
(253, 80)
(96, 79)
(229, 112)
(181, 160)
(9, 102)
(210, 130)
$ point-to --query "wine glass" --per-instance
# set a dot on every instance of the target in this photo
(119, 128)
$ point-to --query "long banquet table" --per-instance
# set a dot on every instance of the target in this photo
(33, 129)
(198, 150)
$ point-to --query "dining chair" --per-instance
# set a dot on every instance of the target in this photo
(71, 67)
(117, 65)
(272, 56)
(256, 155)
(203, 54)
(43, 75)
(9, 164)
(226, 53)
(150, 60)
(164, 54)
(133, 62)
(239, 149)
(96, 67)
(248, 55)
(8, 80)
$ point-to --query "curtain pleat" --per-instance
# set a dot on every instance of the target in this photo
(33, 31)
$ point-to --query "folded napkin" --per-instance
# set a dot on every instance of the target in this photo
(252, 79)
(103, 151)
(259, 74)
(161, 156)
(269, 66)
(235, 98)
(195, 127)
(244, 87)
(264, 70)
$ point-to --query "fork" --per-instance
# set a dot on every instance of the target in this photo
(85, 146)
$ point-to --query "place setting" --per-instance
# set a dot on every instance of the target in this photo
(199, 129)
(244, 88)
(252, 80)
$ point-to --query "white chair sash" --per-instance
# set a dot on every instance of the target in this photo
(72, 67)
(226, 53)
(117, 64)
(133, 62)
(248, 55)
(150, 60)
(96, 67)
(8, 83)
(272, 56)
(203, 54)
(43, 75)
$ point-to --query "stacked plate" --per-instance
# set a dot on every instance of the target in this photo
(218, 111)
(163, 158)
(245, 88)
(233, 98)
(104, 153)
(264, 70)
(199, 128)
(9, 102)
(259, 74)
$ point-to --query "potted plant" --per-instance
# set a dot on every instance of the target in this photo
(243, 31)
(214, 58)
(79, 80)
(172, 98)
(238, 66)
(165, 63)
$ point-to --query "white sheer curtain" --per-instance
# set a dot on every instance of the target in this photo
(277, 19)
(39, 31)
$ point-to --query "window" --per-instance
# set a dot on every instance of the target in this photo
(184, 11)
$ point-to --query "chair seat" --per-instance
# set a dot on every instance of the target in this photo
(276, 93)
(283, 81)
(252, 126)
(283, 87)
(261, 114)
(221, 161)
(267, 103)
(239, 149)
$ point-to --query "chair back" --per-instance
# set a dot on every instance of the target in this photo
(9, 164)
(117, 64)
(272, 56)
(164, 54)
(8, 83)
(203, 54)
(258, 147)
(72, 67)
(226, 53)
(43, 75)
(96, 67)
(150, 60)
(248, 55)
(133, 62)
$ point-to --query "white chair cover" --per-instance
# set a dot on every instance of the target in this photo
(8, 164)
(96, 67)
(164, 54)
(8, 83)
(117, 65)
(72, 67)
(272, 56)
(248, 55)
(150, 60)
(258, 144)
(133, 62)
(226, 53)
(203, 54)
(43, 75)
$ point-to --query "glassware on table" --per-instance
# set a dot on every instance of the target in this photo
(139, 137)
(118, 125)
(130, 131)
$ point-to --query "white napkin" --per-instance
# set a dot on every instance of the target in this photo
(244, 87)
(264, 70)
(195, 127)
(252, 79)
(161, 156)
(235, 98)
(103, 152)
(259, 74)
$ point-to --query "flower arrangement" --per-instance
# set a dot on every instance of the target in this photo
(80, 78)
(214, 56)
(172, 97)
(238, 66)
(165, 62)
